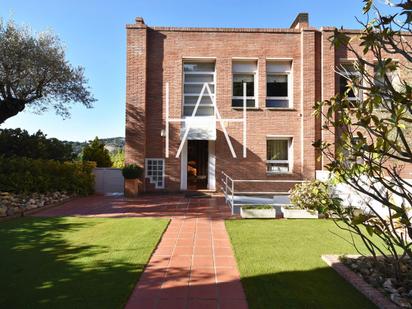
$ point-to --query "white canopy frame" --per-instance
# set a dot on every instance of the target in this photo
(217, 117)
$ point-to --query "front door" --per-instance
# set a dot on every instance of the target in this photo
(197, 164)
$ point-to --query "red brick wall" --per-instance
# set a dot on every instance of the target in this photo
(332, 58)
(155, 56)
(136, 79)
(169, 48)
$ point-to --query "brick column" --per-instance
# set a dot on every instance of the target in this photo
(329, 83)
(309, 98)
(136, 75)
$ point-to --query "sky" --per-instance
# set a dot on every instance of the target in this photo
(94, 35)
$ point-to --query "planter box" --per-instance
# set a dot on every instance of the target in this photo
(131, 187)
(299, 214)
(258, 213)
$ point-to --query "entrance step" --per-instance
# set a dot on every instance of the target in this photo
(198, 194)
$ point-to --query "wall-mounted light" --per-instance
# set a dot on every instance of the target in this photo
(162, 133)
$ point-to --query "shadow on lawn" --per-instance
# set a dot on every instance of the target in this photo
(317, 288)
(40, 268)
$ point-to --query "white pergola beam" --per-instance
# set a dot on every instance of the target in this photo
(183, 141)
(218, 119)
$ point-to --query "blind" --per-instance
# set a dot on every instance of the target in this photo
(278, 66)
(277, 149)
(244, 66)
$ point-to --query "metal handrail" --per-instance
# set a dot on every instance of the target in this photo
(229, 191)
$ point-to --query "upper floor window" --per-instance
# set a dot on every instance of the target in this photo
(279, 155)
(353, 153)
(347, 74)
(195, 75)
(278, 84)
(244, 72)
(384, 79)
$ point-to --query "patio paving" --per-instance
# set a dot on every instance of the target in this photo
(193, 265)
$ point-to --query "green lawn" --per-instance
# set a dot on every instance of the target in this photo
(73, 262)
(280, 264)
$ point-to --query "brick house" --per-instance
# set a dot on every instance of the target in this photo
(252, 92)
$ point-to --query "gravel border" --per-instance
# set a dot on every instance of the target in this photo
(30, 212)
(361, 285)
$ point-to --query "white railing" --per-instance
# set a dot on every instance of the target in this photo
(229, 189)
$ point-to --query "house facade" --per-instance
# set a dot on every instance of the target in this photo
(202, 101)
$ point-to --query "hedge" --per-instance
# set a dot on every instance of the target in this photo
(25, 175)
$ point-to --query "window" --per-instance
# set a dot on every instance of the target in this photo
(348, 72)
(244, 72)
(195, 75)
(155, 172)
(393, 78)
(278, 155)
(353, 153)
(278, 84)
(379, 78)
(379, 83)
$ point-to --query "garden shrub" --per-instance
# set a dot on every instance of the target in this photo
(312, 195)
(25, 175)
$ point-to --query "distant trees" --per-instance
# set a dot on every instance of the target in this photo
(96, 152)
(18, 142)
(118, 158)
(35, 73)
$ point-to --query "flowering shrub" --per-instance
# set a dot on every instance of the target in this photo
(313, 195)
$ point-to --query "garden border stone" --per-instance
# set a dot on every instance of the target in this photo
(375, 296)
(36, 210)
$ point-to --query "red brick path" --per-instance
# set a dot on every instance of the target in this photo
(193, 265)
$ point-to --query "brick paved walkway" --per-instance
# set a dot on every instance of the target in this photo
(193, 265)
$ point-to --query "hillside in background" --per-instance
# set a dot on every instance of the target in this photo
(113, 144)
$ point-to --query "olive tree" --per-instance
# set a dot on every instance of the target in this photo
(373, 144)
(34, 73)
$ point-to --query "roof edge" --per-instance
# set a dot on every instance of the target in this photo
(238, 30)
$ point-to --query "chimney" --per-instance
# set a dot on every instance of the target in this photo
(139, 21)
(301, 21)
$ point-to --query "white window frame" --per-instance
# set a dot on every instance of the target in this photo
(376, 82)
(146, 169)
(255, 83)
(289, 75)
(289, 161)
(213, 74)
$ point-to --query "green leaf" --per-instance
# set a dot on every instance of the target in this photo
(369, 229)
(367, 5)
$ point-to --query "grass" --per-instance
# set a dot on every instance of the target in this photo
(73, 262)
(280, 264)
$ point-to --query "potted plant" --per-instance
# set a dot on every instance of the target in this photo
(131, 174)
(258, 211)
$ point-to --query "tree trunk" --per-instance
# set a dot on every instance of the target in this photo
(10, 107)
